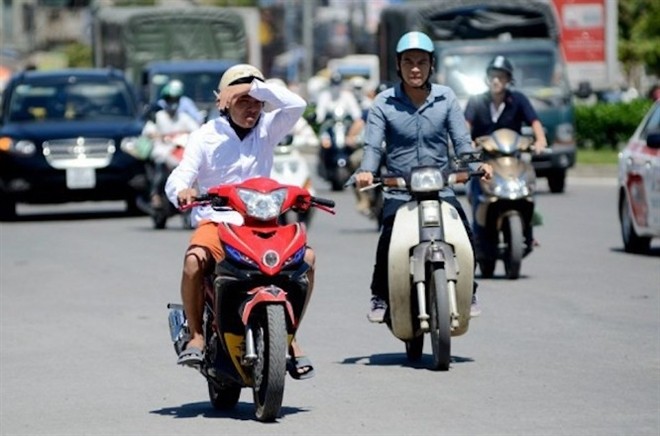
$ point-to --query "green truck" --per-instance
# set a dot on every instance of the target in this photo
(129, 38)
(468, 34)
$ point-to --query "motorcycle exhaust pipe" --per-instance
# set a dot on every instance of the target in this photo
(178, 326)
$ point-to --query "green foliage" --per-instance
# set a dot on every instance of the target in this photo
(606, 125)
(604, 156)
(79, 55)
(639, 34)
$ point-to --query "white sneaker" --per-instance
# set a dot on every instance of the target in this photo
(377, 312)
(475, 310)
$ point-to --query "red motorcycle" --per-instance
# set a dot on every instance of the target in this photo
(255, 297)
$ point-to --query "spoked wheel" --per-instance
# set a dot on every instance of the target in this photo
(440, 320)
(224, 396)
(515, 246)
(268, 373)
(414, 348)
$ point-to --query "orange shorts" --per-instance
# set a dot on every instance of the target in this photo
(206, 236)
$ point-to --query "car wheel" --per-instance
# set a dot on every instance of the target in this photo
(632, 243)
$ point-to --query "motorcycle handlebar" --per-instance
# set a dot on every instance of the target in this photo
(323, 201)
(399, 182)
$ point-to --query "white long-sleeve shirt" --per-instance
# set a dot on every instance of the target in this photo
(215, 155)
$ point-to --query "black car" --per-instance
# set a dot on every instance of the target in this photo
(62, 136)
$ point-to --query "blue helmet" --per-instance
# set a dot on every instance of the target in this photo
(415, 41)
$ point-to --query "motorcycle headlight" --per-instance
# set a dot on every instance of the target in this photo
(510, 188)
(263, 206)
(426, 180)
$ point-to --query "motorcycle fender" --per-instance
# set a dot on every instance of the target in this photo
(267, 295)
(456, 235)
(405, 234)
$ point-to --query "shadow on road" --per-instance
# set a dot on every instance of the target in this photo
(243, 411)
(654, 251)
(398, 359)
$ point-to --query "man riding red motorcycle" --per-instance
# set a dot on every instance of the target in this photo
(236, 146)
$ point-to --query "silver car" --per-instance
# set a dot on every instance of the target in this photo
(639, 184)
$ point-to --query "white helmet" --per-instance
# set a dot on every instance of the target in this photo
(241, 73)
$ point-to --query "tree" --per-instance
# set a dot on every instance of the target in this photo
(639, 35)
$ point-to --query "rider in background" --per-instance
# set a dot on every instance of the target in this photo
(336, 95)
(236, 146)
(186, 104)
(416, 120)
(167, 123)
(501, 107)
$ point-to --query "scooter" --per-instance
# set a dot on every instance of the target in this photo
(334, 153)
(430, 265)
(505, 206)
(254, 298)
(160, 215)
(291, 168)
(156, 174)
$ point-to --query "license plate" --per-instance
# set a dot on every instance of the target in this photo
(80, 178)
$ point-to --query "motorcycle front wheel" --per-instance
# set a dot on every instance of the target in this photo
(515, 246)
(270, 337)
(438, 298)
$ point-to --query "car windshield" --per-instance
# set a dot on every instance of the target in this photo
(653, 123)
(69, 101)
(535, 72)
(198, 86)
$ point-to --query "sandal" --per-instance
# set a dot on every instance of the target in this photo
(300, 367)
(191, 356)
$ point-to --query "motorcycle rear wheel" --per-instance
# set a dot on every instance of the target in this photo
(270, 337)
(438, 299)
(515, 246)
(224, 397)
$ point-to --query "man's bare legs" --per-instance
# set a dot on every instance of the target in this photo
(192, 293)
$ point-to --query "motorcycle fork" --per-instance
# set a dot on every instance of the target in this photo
(424, 257)
(261, 295)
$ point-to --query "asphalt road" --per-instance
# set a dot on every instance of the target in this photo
(571, 348)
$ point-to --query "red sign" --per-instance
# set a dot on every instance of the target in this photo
(582, 29)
